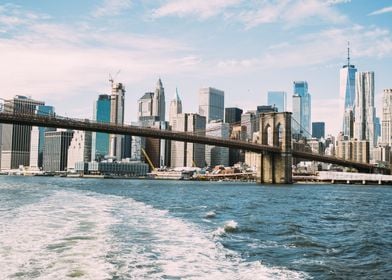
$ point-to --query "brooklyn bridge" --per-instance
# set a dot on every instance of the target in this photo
(274, 145)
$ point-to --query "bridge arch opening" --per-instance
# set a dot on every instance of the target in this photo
(279, 135)
(268, 138)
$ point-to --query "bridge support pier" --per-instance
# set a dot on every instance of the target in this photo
(275, 130)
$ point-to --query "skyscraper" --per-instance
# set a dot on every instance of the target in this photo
(175, 107)
(56, 150)
(158, 106)
(16, 139)
(211, 103)
(318, 130)
(233, 115)
(100, 141)
(217, 155)
(38, 138)
(365, 112)
(302, 108)
(117, 117)
(188, 154)
(278, 99)
(79, 149)
(152, 106)
(347, 94)
(386, 126)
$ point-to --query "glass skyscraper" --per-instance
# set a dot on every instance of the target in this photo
(278, 99)
(100, 142)
(211, 103)
(347, 95)
(302, 108)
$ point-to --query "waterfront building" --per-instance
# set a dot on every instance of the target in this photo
(188, 154)
(318, 130)
(386, 130)
(233, 115)
(278, 99)
(302, 109)
(56, 150)
(238, 132)
(16, 139)
(79, 149)
(217, 155)
(121, 168)
(347, 95)
(38, 138)
(365, 112)
(211, 104)
(158, 150)
(353, 150)
(175, 107)
(117, 99)
(100, 141)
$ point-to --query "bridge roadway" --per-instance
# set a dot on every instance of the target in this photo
(88, 125)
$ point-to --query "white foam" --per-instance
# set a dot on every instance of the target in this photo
(73, 234)
(210, 214)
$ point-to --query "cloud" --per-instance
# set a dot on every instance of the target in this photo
(199, 8)
(111, 8)
(254, 13)
(312, 50)
(381, 11)
(291, 13)
(13, 16)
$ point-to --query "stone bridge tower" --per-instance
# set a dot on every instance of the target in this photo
(275, 130)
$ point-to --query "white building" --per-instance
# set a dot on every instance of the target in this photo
(116, 117)
(79, 149)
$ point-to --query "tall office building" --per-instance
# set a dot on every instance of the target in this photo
(188, 154)
(365, 112)
(347, 95)
(116, 117)
(217, 155)
(79, 149)
(377, 131)
(302, 108)
(211, 104)
(16, 138)
(386, 126)
(318, 130)
(233, 115)
(56, 150)
(152, 105)
(158, 106)
(38, 138)
(278, 99)
(175, 107)
(100, 141)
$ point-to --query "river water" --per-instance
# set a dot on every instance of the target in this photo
(57, 228)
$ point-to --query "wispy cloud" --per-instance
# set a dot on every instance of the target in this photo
(13, 16)
(202, 9)
(381, 11)
(254, 13)
(291, 13)
(311, 49)
(111, 8)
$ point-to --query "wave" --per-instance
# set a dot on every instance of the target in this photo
(79, 234)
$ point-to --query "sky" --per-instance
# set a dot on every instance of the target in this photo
(62, 52)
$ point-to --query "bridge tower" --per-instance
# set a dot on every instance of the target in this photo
(275, 130)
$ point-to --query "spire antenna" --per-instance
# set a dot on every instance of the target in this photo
(348, 53)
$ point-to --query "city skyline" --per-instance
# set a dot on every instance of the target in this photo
(65, 51)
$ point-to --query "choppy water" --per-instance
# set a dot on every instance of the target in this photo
(54, 228)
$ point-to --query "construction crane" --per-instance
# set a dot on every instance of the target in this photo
(148, 160)
(111, 78)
